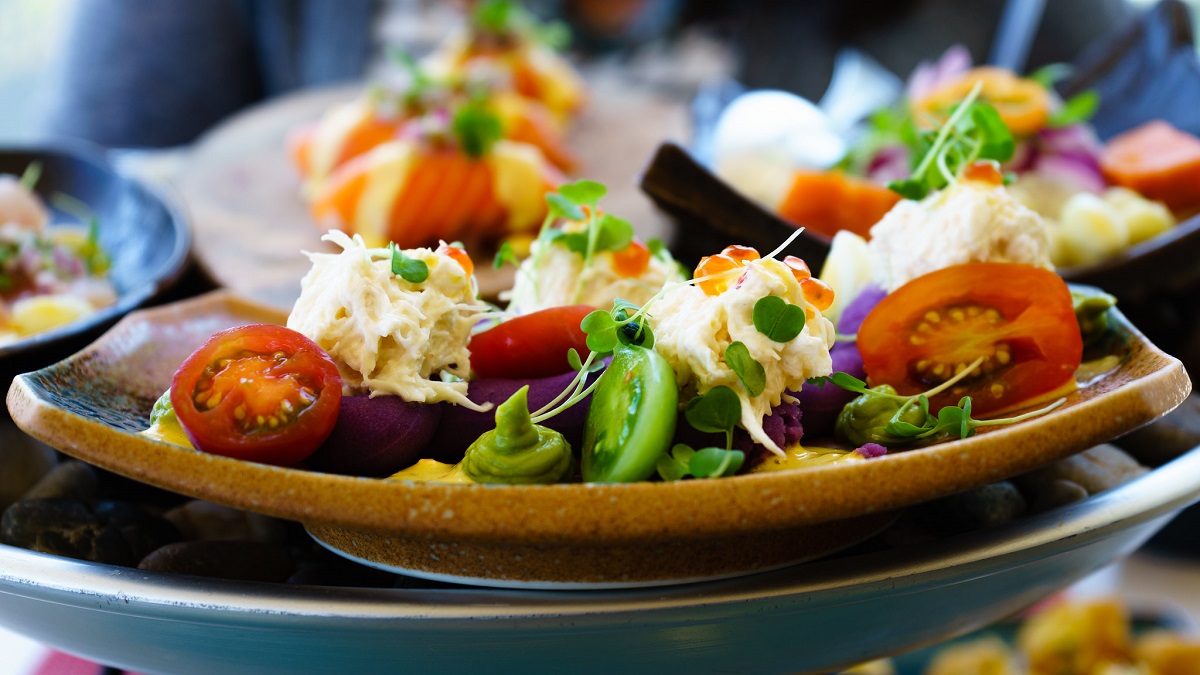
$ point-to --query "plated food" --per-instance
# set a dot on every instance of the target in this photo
(80, 246)
(463, 150)
(51, 274)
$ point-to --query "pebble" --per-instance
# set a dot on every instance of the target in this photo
(24, 462)
(108, 532)
(70, 480)
(1078, 477)
(199, 519)
(238, 560)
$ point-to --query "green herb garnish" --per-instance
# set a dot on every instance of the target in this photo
(683, 461)
(31, 175)
(505, 255)
(1077, 109)
(973, 132)
(411, 270)
(778, 319)
(476, 128)
(749, 371)
(715, 412)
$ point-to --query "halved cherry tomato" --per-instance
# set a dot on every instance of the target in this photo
(1020, 318)
(532, 345)
(260, 393)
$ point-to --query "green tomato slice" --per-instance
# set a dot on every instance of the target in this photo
(631, 420)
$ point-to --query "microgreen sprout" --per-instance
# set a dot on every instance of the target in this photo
(31, 175)
(749, 371)
(777, 318)
(95, 260)
(505, 254)
(476, 128)
(912, 419)
(974, 131)
(411, 270)
(683, 461)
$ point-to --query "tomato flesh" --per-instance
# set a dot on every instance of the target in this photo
(531, 345)
(631, 420)
(260, 393)
(1018, 319)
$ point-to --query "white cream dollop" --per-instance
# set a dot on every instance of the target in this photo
(389, 336)
(972, 221)
(692, 330)
(553, 275)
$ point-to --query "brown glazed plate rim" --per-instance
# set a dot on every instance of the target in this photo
(85, 407)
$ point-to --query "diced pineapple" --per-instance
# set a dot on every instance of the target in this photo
(1092, 228)
(847, 270)
(1144, 218)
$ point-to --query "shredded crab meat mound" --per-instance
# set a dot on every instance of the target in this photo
(692, 330)
(387, 335)
(969, 222)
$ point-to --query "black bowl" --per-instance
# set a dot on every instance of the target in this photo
(147, 238)
(1147, 71)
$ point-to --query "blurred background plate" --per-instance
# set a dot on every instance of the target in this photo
(251, 223)
(801, 619)
(146, 236)
(1149, 70)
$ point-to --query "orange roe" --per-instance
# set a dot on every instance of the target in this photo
(729, 259)
(984, 172)
(460, 256)
(633, 260)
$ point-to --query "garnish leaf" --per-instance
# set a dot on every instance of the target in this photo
(675, 464)
(615, 233)
(31, 175)
(998, 143)
(505, 255)
(717, 411)
(1051, 74)
(777, 318)
(749, 371)
(1078, 108)
(410, 269)
(477, 128)
(563, 207)
(601, 331)
(583, 192)
(573, 360)
(715, 462)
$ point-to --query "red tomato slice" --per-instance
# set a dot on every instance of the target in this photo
(1019, 318)
(532, 345)
(260, 393)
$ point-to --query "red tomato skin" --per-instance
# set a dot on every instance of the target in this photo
(214, 431)
(532, 345)
(1039, 325)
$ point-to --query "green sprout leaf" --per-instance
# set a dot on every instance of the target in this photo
(615, 233)
(1079, 108)
(749, 371)
(998, 143)
(31, 175)
(601, 330)
(675, 464)
(583, 192)
(476, 128)
(410, 269)
(778, 319)
(717, 411)
(573, 360)
(715, 462)
(1051, 74)
(505, 255)
(562, 207)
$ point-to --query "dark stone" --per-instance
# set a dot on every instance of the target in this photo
(982, 507)
(109, 532)
(238, 560)
(69, 480)
(199, 519)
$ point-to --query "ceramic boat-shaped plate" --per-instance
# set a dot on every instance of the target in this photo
(93, 404)
(816, 617)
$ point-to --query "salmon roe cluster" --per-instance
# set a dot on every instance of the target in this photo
(816, 292)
